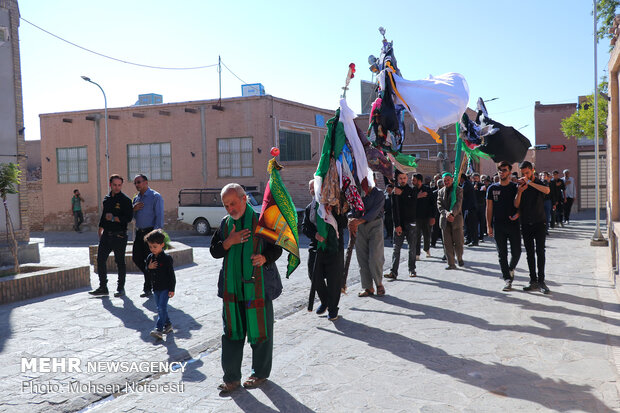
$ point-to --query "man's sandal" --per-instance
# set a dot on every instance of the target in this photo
(253, 382)
(365, 293)
(380, 290)
(228, 387)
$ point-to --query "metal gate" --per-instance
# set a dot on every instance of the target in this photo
(587, 194)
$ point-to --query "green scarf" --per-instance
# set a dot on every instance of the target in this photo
(243, 283)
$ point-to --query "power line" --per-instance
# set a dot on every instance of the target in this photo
(241, 80)
(116, 59)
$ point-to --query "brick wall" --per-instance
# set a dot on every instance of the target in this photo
(20, 222)
(42, 282)
(35, 202)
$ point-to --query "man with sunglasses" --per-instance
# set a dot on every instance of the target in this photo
(502, 222)
(148, 210)
(530, 200)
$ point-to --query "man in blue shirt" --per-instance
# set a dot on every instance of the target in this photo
(148, 210)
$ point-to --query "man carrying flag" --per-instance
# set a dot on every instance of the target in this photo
(246, 288)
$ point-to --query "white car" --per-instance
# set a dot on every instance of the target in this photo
(203, 209)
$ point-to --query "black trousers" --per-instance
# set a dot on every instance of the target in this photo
(471, 226)
(424, 229)
(567, 207)
(327, 270)
(262, 353)
(482, 220)
(534, 236)
(388, 223)
(138, 255)
(109, 242)
(559, 212)
(435, 233)
(504, 234)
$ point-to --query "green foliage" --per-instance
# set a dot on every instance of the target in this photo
(581, 123)
(605, 13)
(10, 178)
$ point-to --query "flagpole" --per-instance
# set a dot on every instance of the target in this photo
(597, 237)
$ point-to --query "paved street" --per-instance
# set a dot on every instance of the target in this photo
(445, 341)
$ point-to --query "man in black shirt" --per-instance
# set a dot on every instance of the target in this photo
(469, 211)
(502, 222)
(117, 213)
(480, 192)
(404, 199)
(530, 200)
(557, 198)
(325, 268)
(425, 214)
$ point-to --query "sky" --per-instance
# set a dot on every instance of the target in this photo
(518, 52)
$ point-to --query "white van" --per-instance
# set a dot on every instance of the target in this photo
(202, 207)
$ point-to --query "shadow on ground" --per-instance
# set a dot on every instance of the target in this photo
(496, 378)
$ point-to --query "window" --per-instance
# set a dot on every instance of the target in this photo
(72, 165)
(294, 146)
(151, 159)
(234, 157)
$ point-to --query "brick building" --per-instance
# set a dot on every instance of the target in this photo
(191, 145)
(578, 156)
(613, 160)
(12, 143)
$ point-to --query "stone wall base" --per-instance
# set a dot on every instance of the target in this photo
(42, 281)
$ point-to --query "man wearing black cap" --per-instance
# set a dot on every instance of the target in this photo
(530, 201)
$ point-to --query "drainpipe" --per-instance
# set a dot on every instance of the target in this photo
(203, 134)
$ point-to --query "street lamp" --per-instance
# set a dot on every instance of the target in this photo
(105, 102)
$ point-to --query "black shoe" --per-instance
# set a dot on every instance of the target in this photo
(531, 286)
(333, 317)
(444, 258)
(451, 267)
(100, 292)
(543, 288)
(167, 328)
(146, 294)
(321, 310)
(461, 263)
(390, 275)
(119, 293)
(507, 285)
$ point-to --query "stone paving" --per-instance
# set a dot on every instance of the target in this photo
(445, 341)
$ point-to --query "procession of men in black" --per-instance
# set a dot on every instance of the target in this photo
(507, 207)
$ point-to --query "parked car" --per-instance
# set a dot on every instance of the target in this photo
(202, 208)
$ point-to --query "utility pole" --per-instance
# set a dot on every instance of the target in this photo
(597, 237)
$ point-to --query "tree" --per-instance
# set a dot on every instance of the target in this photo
(10, 178)
(605, 14)
(581, 123)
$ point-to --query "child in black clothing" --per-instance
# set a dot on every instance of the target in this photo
(160, 266)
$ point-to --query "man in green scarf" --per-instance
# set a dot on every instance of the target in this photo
(451, 220)
(247, 296)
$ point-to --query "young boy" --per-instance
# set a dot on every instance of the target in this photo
(160, 266)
